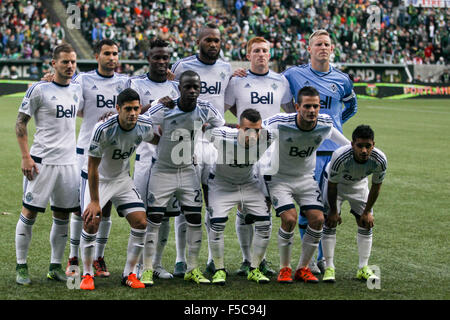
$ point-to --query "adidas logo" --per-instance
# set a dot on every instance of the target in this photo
(147, 93)
(247, 85)
(114, 143)
(54, 98)
(94, 87)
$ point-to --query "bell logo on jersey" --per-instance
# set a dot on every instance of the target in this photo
(211, 89)
(101, 102)
(294, 152)
(256, 99)
(65, 113)
(119, 155)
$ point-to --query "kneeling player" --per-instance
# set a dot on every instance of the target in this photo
(112, 144)
(346, 179)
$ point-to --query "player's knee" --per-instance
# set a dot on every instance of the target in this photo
(316, 220)
(289, 219)
(155, 218)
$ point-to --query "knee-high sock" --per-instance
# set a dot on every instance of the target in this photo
(87, 245)
(217, 244)
(364, 240)
(24, 231)
(260, 242)
(245, 236)
(310, 242)
(180, 238)
(151, 240)
(58, 239)
(194, 243)
(208, 227)
(104, 229)
(163, 236)
(285, 242)
(328, 245)
(76, 225)
(134, 249)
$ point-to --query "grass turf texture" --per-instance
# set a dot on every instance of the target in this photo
(410, 243)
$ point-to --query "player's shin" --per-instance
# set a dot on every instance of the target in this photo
(23, 238)
(328, 245)
(245, 235)
(151, 239)
(364, 240)
(217, 244)
(134, 249)
(87, 245)
(260, 242)
(58, 239)
(285, 242)
(193, 239)
(310, 242)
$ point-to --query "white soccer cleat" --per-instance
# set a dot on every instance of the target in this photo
(162, 273)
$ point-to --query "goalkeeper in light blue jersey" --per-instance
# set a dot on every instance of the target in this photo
(335, 88)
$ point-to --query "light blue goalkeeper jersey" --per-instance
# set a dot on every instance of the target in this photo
(335, 88)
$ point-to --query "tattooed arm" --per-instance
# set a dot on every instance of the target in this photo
(29, 167)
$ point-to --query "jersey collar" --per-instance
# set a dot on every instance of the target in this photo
(208, 64)
(61, 85)
(319, 73)
(103, 76)
(259, 74)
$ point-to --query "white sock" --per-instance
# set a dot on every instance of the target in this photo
(163, 236)
(285, 242)
(207, 227)
(328, 245)
(87, 244)
(24, 231)
(310, 242)
(134, 250)
(104, 229)
(245, 236)
(260, 242)
(194, 244)
(58, 239)
(151, 240)
(364, 240)
(76, 225)
(180, 238)
(217, 244)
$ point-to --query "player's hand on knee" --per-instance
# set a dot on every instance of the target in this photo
(92, 212)
(333, 219)
(29, 168)
(366, 221)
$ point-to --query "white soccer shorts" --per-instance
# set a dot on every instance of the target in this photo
(58, 183)
(121, 192)
(303, 190)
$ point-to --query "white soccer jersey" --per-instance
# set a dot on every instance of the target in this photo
(235, 163)
(150, 91)
(296, 147)
(115, 146)
(54, 108)
(344, 169)
(265, 93)
(99, 96)
(214, 78)
(179, 129)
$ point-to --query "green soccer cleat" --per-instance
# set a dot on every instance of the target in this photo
(147, 278)
(180, 269)
(196, 276)
(219, 277)
(329, 275)
(56, 273)
(265, 268)
(257, 276)
(22, 276)
(366, 273)
(244, 269)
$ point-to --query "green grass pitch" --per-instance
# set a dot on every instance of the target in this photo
(410, 244)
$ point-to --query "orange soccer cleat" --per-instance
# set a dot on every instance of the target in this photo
(87, 283)
(305, 274)
(285, 275)
(100, 268)
(132, 282)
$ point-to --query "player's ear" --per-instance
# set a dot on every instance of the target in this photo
(297, 106)
(117, 107)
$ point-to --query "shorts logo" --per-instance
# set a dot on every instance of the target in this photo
(29, 196)
(210, 211)
(151, 198)
(275, 201)
(25, 105)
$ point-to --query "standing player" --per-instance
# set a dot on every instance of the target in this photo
(151, 87)
(215, 75)
(100, 89)
(347, 175)
(107, 171)
(266, 91)
(299, 135)
(335, 88)
(50, 166)
(174, 173)
(232, 182)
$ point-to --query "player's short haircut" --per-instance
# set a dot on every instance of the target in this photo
(65, 47)
(127, 95)
(320, 32)
(255, 40)
(105, 42)
(157, 43)
(363, 132)
(307, 91)
(188, 73)
(251, 115)
(206, 27)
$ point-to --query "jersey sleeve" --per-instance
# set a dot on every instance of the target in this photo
(350, 102)
(97, 141)
(335, 166)
(177, 70)
(380, 171)
(215, 119)
(230, 96)
(338, 137)
(156, 114)
(78, 79)
(287, 95)
(31, 101)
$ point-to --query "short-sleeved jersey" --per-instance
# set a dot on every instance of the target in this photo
(99, 96)
(179, 129)
(115, 145)
(214, 79)
(150, 91)
(344, 169)
(235, 162)
(265, 93)
(335, 88)
(54, 108)
(296, 147)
